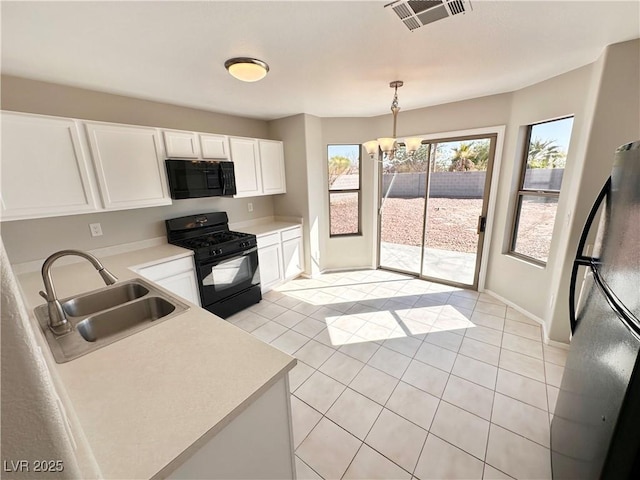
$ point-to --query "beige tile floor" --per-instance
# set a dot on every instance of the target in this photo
(399, 378)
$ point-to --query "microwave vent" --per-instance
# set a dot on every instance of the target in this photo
(417, 13)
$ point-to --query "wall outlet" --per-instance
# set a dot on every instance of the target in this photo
(250, 206)
(96, 229)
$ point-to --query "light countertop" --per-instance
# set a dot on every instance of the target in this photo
(267, 228)
(148, 401)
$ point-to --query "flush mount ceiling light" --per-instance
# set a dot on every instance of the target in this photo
(389, 145)
(247, 69)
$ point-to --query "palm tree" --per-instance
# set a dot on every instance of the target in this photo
(337, 166)
(462, 159)
(545, 154)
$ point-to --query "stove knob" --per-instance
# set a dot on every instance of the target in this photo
(219, 251)
(212, 252)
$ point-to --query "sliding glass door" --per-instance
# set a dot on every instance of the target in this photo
(433, 210)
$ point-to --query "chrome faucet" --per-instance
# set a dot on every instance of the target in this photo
(58, 322)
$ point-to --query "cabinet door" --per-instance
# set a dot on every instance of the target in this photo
(246, 159)
(270, 263)
(45, 171)
(292, 257)
(272, 166)
(214, 146)
(184, 285)
(129, 166)
(180, 144)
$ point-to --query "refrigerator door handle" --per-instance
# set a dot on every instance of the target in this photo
(580, 259)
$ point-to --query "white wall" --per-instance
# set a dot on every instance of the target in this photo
(34, 426)
(615, 103)
(525, 284)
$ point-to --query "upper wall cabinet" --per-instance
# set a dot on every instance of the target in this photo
(246, 158)
(180, 144)
(214, 146)
(272, 167)
(129, 165)
(45, 170)
(259, 166)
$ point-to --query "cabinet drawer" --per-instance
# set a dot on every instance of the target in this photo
(291, 233)
(266, 240)
(166, 269)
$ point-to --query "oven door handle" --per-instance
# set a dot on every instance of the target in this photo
(216, 261)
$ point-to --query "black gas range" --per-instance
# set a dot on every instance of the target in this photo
(226, 261)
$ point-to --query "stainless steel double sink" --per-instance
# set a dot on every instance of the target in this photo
(106, 315)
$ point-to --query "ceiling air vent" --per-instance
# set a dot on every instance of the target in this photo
(416, 13)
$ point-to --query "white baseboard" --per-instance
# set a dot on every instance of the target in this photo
(530, 315)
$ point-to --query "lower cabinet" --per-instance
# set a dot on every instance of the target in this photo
(292, 252)
(280, 256)
(270, 261)
(178, 276)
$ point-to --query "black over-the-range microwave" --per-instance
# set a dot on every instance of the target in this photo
(200, 178)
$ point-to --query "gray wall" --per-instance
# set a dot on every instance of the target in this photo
(27, 240)
(461, 184)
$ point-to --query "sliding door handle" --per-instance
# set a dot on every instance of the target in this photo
(482, 224)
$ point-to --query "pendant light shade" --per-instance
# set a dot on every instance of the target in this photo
(412, 144)
(247, 69)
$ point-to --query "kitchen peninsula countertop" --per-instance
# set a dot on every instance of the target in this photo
(147, 402)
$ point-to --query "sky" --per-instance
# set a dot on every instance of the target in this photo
(559, 130)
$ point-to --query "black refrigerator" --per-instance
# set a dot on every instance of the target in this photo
(595, 431)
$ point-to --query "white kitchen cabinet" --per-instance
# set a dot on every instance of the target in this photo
(45, 169)
(179, 144)
(292, 252)
(129, 165)
(214, 146)
(272, 167)
(246, 158)
(270, 261)
(178, 276)
(280, 256)
(259, 166)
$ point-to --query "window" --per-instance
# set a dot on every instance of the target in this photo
(344, 189)
(541, 175)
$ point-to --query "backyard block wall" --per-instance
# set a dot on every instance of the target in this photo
(461, 184)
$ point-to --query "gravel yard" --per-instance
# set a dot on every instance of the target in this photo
(453, 223)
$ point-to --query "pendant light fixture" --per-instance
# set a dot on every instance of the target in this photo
(247, 69)
(389, 145)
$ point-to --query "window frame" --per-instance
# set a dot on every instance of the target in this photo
(523, 192)
(347, 190)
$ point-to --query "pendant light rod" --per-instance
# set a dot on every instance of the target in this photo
(394, 104)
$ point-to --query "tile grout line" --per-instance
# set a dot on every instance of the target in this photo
(493, 401)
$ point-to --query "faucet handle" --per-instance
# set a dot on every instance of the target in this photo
(43, 295)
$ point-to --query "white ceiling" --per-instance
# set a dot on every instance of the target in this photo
(327, 58)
